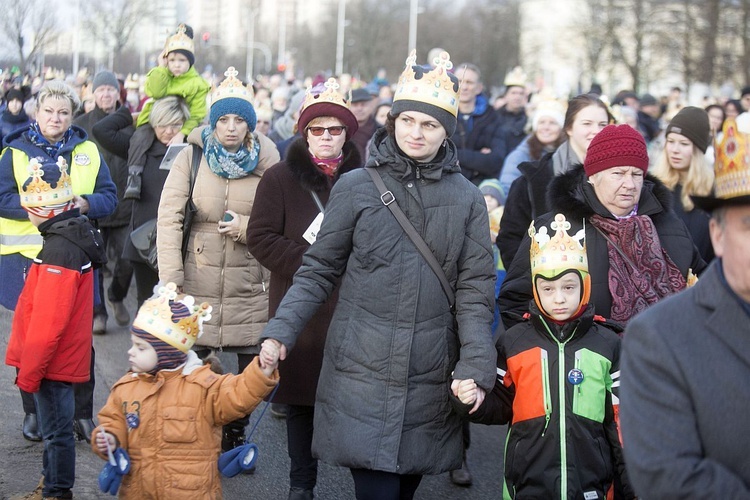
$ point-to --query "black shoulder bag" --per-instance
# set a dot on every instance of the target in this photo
(390, 201)
(144, 236)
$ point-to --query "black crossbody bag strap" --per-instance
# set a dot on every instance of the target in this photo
(390, 201)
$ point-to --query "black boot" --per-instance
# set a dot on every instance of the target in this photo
(296, 493)
(84, 427)
(133, 189)
(31, 428)
(462, 476)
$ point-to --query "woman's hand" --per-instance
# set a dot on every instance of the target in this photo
(231, 227)
(81, 204)
(468, 392)
(271, 351)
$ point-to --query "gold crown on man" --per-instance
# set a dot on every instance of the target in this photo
(432, 86)
(331, 94)
(732, 164)
(552, 255)
(157, 318)
(40, 193)
(232, 87)
(180, 41)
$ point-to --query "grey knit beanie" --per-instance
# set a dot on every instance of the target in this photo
(105, 78)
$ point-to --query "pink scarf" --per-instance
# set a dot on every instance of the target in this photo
(640, 270)
(328, 166)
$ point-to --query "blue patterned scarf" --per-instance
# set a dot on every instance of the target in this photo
(226, 164)
(36, 137)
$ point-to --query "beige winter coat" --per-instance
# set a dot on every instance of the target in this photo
(217, 269)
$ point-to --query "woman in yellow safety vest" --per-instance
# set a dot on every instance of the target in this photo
(48, 138)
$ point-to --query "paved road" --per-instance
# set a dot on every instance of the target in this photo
(20, 460)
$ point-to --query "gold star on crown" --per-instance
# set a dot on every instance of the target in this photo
(331, 94)
(232, 87)
(157, 318)
(39, 193)
(732, 164)
(552, 256)
(180, 41)
(429, 86)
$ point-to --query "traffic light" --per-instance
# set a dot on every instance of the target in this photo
(206, 38)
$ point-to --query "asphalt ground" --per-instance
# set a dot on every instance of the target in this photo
(20, 460)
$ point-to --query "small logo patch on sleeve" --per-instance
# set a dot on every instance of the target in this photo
(53, 271)
(590, 495)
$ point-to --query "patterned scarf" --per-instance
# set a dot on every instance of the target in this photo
(38, 139)
(226, 164)
(328, 166)
(640, 270)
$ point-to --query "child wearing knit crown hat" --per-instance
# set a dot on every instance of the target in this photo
(557, 383)
(175, 75)
(168, 410)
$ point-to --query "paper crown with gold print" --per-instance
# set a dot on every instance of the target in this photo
(516, 78)
(172, 318)
(553, 255)
(330, 103)
(180, 41)
(232, 86)
(133, 81)
(54, 190)
(431, 86)
(731, 167)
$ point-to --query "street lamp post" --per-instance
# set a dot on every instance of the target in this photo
(340, 38)
(413, 13)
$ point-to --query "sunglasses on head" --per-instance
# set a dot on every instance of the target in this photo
(318, 131)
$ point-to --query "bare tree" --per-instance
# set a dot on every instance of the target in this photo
(29, 26)
(113, 21)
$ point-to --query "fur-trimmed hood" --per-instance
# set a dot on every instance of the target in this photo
(571, 194)
(305, 171)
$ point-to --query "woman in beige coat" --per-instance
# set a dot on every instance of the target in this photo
(218, 268)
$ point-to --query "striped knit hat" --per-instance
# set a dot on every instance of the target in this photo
(171, 324)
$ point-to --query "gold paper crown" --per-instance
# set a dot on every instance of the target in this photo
(516, 78)
(430, 86)
(232, 87)
(39, 193)
(550, 257)
(180, 41)
(157, 318)
(331, 94)
(732, 164)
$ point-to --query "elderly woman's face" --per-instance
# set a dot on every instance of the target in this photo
(618, 188)
(326, 146)
(164, 133)
(54, 116)
(231, 131)
(419, 135)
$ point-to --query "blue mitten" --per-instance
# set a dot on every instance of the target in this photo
(238, 459)
(111, 475)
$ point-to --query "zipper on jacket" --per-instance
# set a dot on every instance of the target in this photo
(418, 172)
(578, 367)
(563, 437)
(545, 387)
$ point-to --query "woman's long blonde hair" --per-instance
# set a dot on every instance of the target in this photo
(698, 181)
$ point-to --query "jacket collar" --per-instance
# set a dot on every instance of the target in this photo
(308, 175)
(385, 151)
(566, 331)
(571, 194)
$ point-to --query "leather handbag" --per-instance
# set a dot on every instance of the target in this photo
(144, 236)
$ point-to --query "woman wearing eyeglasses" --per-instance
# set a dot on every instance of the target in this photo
(218, 268)
(289, 200)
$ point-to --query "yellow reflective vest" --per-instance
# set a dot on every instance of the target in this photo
(21, 236)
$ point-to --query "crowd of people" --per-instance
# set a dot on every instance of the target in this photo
(373, 241)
